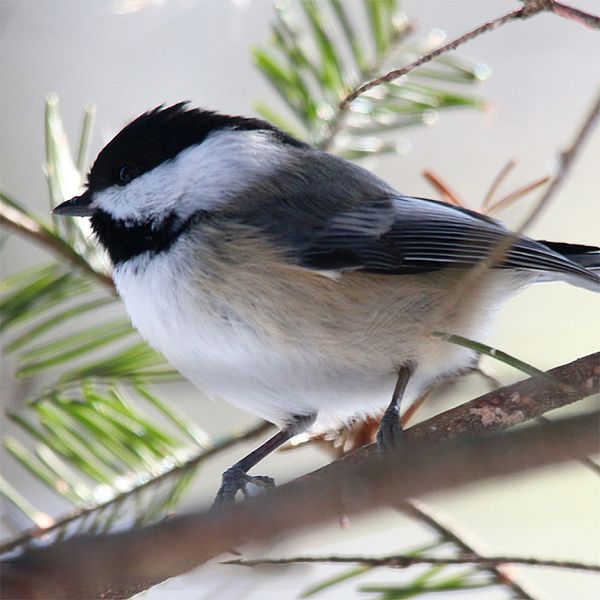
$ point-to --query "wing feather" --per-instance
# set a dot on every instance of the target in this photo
(401, 234)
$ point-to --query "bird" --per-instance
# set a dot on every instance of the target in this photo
(291, 282)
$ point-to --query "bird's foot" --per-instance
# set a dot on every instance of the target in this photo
(236, 480)
(390, 434)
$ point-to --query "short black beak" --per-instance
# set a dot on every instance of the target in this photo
(80, 206)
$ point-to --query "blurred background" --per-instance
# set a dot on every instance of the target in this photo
(126, 56)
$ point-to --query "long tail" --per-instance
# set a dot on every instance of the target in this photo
(587, 257)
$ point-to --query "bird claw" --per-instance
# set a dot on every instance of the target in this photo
(260, 481)
(390, 435)
(236, 480)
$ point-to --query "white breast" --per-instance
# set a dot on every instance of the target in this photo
(226, 356)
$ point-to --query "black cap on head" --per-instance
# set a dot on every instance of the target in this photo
(160, 135)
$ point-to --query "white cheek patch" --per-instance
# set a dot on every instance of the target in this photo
(202, 177)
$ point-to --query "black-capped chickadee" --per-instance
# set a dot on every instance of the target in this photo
(291, 282)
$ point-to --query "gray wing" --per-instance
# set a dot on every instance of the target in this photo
(402, 234)
(331, 215)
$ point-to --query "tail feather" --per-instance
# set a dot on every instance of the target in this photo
(587, 257)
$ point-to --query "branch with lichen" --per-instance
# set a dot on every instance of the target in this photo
(119, 564)
(446, 451)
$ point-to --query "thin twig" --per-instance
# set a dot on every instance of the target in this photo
(574, 14)
(521, 13)
(491, 412)
(504, 171)
(334, 123)
(26, 226)
(407, 560)
(512, 197)
(447, 193)
(588, 461)
(488, 376)
(496, 412)
(530, 8)
(427, 515)
(566, 160)
(476, 277)
(409, 414)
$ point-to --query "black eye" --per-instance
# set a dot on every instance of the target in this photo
(127, 172)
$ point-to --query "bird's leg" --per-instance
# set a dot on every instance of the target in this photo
(236, 478)
(390, 429)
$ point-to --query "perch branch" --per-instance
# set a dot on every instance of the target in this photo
(115, 565)
(516, 403)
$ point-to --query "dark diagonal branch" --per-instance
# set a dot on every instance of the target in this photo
(514, 403)
(115, 565)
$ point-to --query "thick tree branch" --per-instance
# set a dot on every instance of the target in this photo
(512, 404)
(130, 560)
(493, 411)
(116, 566)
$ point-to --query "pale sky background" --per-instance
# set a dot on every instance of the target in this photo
(545, 75)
